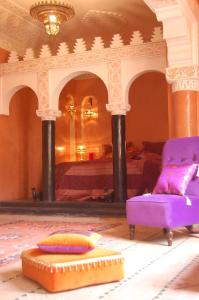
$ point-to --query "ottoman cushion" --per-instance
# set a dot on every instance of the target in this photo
(59, 272)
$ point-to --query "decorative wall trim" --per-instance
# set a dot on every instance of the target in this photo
(118, 108)
(173, 74)
(180, 28)
(183, 78)
(160, 3)
(48, 114)
(43, 90)
(185, 85)
(114, 82)
(110, 64)
(89, 57)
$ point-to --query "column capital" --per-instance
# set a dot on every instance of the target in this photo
(48, 114)
(183, 78)
(118, 108)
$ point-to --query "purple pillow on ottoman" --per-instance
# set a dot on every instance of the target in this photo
(70, 242)
(174, 179)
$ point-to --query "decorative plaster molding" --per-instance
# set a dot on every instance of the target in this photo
(114, 78)
(80, 46)
(98, 43)
(180, 29)
(115, 106)
(90, 16)
(82, 60)
(48, 114)
(155, 4)
(173, 74)
(63, 49)
(13, 57)
(29, 54)
(183, 78)
(157, 35)
(45, 52)
(117, 41)
(185, 85)
(136, 38)
(118, 108)
(94, 56)
(43, 90)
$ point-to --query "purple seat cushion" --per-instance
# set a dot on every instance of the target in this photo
(162, 210)
(174, 179)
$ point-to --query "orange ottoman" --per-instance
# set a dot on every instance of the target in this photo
(60, 272)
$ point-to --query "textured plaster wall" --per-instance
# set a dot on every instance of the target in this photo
(148, 118)
(20, 151)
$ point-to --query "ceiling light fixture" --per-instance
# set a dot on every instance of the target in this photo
(52, 14)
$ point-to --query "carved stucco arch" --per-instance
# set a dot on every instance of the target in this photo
(12, 84)
(60, 78)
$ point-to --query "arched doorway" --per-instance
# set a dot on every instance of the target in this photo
(84, 124)
(20, 153)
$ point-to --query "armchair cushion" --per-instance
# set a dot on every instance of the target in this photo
(174, 179)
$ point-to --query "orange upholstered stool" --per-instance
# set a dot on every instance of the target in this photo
(60, 272)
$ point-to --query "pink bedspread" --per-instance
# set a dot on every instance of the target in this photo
(80, 180)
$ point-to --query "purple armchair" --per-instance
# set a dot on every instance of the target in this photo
(169, 211)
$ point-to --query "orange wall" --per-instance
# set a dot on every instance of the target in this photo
(20, 151)
(148, 118)
(3, 55)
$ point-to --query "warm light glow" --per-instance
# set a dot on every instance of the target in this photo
(71, 109)
(52, 19)
(52, 14)
(81, 149)
(60, 148)
(89, 113)
(52, 29)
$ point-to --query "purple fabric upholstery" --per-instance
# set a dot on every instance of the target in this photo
(161, 210)
(166, 210)
(182, 151)
(174, 179)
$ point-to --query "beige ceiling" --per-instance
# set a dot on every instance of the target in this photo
(18, 30)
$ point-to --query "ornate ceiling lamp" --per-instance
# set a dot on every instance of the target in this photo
(52, 14)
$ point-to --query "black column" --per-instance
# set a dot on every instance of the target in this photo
(119, 158)
(48, 160)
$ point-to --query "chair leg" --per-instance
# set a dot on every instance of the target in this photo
(191, 229)
(132, 232)
(169, 235)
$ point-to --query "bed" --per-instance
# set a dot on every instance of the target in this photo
(93, 180)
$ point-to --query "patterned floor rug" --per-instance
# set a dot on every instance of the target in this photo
(153, 270)
(21, 234)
